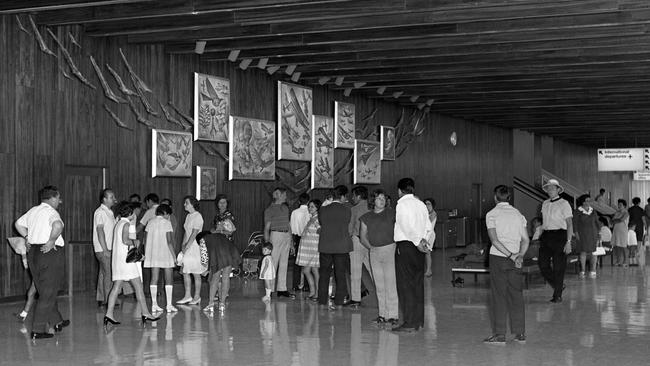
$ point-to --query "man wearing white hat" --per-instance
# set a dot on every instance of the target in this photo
(556, 238)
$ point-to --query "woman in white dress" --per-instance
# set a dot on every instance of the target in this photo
(191, 263)
(123, 271)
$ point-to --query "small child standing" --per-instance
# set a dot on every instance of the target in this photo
(159, 253)
(267, 271)
(631, 244)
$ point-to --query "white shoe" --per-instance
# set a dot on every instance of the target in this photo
(156, 309)
(209, 308)
(581, 275)
(592, 274)
(184, 300)
(171, 309)
(266, 298)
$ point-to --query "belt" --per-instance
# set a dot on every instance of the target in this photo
(281, 231)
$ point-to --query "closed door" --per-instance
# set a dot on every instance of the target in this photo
(80, 199)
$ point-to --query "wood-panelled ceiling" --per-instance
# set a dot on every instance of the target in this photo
(577, 70)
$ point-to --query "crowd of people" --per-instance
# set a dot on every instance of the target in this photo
(335, 238)
(331, 237)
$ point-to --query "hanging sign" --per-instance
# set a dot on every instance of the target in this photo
(610, 160)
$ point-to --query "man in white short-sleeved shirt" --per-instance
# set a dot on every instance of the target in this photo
(103, 224)
(42, 227)
(509, 237)
(557, 225)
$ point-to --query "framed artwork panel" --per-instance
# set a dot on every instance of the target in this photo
(387, 139)
(251, 149)
(344, 125)
(367, 164)
(206, 183)
(171, 153)
(322, 167)
(211, 108)
(294, 122)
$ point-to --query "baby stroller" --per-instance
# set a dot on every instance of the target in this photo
(252, 255)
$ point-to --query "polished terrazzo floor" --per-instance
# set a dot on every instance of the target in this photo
(603, 321)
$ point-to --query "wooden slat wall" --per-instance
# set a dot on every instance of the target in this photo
(48, 122)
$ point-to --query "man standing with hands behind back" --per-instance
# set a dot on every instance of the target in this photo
(557, 218)
(42, 227)
(509, 237)
(412, 227)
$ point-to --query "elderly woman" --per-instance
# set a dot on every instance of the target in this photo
(223, 254)
(619, 234)
(585, 221)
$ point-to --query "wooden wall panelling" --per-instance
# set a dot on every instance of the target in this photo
(67, 121)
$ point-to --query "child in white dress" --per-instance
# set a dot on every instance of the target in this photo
(267, 271)
(632, 243)
(159, 253)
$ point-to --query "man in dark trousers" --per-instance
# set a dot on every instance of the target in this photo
(557, 218)
(509, 237)
(334, 246)
(412, 227)
(42, 227)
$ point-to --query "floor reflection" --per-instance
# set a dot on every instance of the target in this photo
(601, 322)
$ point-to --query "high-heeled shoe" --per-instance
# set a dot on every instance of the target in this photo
(146, 319)
(184, 300)
(195, 302)
(108, 320)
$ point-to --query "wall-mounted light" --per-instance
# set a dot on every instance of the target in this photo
(430, 102)
(323, 79)
(397, 94)
(290, 69)
(381, 90)
(272, 69)
(359, 84)
(232, 56)
(339, 80)
(414, 98)
(261, 64)
(295, 77)
(347, 92)
(245, 63)
(199, 47)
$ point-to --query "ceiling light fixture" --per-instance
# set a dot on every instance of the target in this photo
(199, 47)
(232, 56)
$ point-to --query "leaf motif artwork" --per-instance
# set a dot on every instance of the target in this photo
(171, 153)
(322, 165)
(251, 149)
(211, 108)
(294, 122)
(344, 125)
(367, 163)
(206, 183)
(387, 139)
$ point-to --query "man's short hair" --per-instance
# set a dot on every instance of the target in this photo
(163, 209)
(502, 193)
(303, 199)
(406, 185)
(48, 192)
(103, 194)
(360, 191)
(135, 198)
(280, 189)
(636, 200)
(340, 191)
(152, 197)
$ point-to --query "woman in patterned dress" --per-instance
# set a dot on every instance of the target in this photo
(308, 255)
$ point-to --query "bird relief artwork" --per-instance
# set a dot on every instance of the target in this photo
(322, 167)
(206, 183)
(171, 153)
(367, 164)
(344, 125)
(387, 139)
(211, 108)
(294, 122)
(251, 149)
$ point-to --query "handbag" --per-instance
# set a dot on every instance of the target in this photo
(599, 251)
(135, 254)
